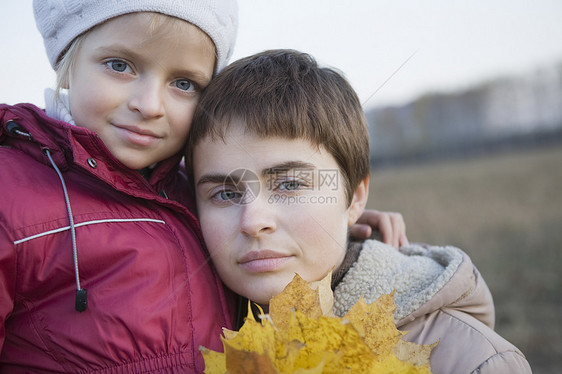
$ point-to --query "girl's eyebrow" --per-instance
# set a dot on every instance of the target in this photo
(119, 49)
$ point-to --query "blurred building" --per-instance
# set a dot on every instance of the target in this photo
(507, 112)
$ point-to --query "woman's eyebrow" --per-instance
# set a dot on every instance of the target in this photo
(212, 178)
(282, 167)
(288, 165)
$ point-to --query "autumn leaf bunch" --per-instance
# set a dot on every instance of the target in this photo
(302, 335)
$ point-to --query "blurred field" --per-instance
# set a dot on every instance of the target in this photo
(505, 211)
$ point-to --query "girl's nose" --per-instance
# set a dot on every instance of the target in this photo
(257, 217)
(147, 98)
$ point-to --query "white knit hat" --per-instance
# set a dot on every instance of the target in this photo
(60, 21)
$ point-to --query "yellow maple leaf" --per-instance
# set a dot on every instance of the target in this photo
(301, 335)
(375, 323)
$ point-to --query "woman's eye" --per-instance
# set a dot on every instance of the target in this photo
(118, 66)
(290, 185)
(227, 195)
(185, 85)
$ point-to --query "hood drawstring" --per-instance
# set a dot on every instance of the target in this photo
(81, 302)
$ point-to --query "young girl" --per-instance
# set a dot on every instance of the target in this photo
(280, 159)
(101, 267)
(101, 264)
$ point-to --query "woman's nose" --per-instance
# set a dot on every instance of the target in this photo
(257, 217)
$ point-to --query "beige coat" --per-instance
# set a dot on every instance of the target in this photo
(440, 296)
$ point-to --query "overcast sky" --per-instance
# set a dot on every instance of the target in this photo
(391, 51)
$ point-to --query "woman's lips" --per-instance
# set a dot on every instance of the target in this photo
(263, 261)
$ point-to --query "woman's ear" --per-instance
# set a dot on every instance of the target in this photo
(358, 201)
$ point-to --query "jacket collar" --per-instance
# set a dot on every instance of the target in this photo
(77, 145)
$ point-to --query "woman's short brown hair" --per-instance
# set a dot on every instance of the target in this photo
(284, 93)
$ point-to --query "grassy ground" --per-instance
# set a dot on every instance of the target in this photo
(505, 211)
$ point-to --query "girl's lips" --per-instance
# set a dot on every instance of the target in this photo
(137, 135)
(263, 261)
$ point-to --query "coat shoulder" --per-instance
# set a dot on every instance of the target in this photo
(466, 345)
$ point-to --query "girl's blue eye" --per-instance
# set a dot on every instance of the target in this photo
(118, 65)
(185, 85)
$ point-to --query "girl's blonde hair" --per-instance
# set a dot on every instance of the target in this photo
(66, 63)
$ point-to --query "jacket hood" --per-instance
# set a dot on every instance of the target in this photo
(29, 120)
(423, 278)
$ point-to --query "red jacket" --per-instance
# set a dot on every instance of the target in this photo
(152, 296)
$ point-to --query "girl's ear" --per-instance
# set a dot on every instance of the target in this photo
(359, 201)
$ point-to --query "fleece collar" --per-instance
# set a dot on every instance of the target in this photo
(416, 273)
